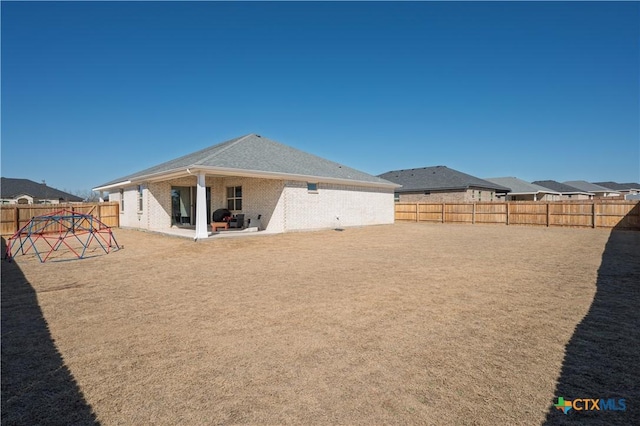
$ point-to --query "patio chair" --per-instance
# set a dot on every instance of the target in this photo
(255, 223)
(237, 221)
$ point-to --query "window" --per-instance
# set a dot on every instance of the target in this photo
(140, 203)
(122, 200)
(312, 187)
(396, 197)
(234, 198)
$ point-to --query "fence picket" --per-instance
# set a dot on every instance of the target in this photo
(13, 217)
(584, 213)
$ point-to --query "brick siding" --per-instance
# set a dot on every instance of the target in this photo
(283, 205)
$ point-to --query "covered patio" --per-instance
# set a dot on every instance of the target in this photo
(190, 232)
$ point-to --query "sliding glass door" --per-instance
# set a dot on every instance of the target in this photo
(183, 205)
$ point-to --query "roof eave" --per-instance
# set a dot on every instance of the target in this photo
(111, 186)
(534, 193)
(227, 171)
(455, 188)
(523, 193)
(504, 189)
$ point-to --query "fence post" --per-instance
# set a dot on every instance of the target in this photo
(473, 214)
(593, 214)
(16, 212)
(417, 212)
(507, 213)
(442, 215)
(548, 215)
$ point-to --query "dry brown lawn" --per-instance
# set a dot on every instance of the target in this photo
(400, 324)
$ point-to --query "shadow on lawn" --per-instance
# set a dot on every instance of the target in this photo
(37, 387)
(602, 359)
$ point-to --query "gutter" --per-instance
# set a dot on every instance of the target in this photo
(113, 185)
(224, 171)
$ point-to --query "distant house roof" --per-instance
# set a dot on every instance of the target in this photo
(519, 186)
(440, 178)
(253, 156)
(583, 185)
(619, 186)
(12, 188)
(560, 187)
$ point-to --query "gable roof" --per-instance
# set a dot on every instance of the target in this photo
(254, 156)
(13, 187)
(438, 178)
(519, 186)
(560, 187)
(583, 185)
(619, 186)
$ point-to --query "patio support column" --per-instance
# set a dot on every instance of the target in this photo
(201, 208)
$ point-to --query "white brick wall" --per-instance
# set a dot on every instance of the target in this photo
(158, 205)
(259, 197)
(335, 205)
(131, 216)
(284, 206)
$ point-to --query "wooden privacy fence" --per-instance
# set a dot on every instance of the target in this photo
(15, 216)
(588, 213)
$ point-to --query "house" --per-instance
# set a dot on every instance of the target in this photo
(568, 192)
(25, 191)
(597, 190)
(628, 190)
(441, 184)
(283, 187)
(524, 191)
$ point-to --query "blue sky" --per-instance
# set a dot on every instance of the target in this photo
(94, 91)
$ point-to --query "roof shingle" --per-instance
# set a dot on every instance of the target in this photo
(619, 186)
(559, 187)
(257, 154)
(13, 187)
(519, 186)
(438, 178)
(583, 185)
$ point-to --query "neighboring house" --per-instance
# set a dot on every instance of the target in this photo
(257, 177)
(524, 191)
(441, 184)
(25, 191)
(568, 192)
(627, 189)
(597, 190)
